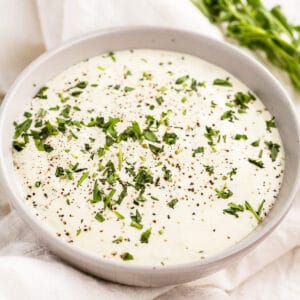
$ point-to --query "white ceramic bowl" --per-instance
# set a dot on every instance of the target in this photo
(255, 76)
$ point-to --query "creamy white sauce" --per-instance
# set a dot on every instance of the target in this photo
(197, 227)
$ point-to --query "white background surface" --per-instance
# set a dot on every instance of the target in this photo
(27, 269)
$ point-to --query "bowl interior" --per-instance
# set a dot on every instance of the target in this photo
(227, 57)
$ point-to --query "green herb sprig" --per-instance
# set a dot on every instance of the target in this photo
(258, 28)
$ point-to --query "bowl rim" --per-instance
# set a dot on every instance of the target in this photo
(86, 256)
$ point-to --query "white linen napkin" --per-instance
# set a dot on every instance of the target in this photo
(27, 269)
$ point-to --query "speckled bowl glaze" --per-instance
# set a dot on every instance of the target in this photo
(249, 71)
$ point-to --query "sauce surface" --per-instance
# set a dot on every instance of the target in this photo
(148, 157)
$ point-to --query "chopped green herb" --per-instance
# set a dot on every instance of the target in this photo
(48, 148)
(120, 159)
(39, 144)
(119, 216)
(255, 143)
(178, 151)
(122, 195)
(147, 76)
(130, 170)
(234, 209)
(209, 169)
(22, 128)
(139, 199)
(257, 163)
(69, 174)
(97, 194)
(154, 198)
(250, 208)
(145, 236)
(137, 218)
(61, 124)
(99, 217)
(19, 146)
(172, 203)
(163, 89)
(155, 150)
(241, 137)
(111, 55)
(76, 94)
(167, 174)
(212, 135)
(159, 100)
(38, 123)
(223, 82)
(110, 172)
(37, 184)
(198, 150)
(241, 100)
(193, 85)
(274, 149)
(270, 124)
(213, 104)
(170, 138)
(82, 84)
(108, 198)
(108, 127)
(165, 117)
(55, 108)
(127, 256)
(184, 99)
(41, 113)
(62, 98)
(224, 192)
(118, 240)
(87, 147)
(128, 89)
(182, 79)
(134, 131)
(41, 93)
(142, 178)
(76, 169)
(232, 172)
(82, 178)
(136, 225)
(230, 115)
(260, 208)
(59, 172)
(73, 134)
(109, 141)
(150, 136)
(150, 120)
(28, 114)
